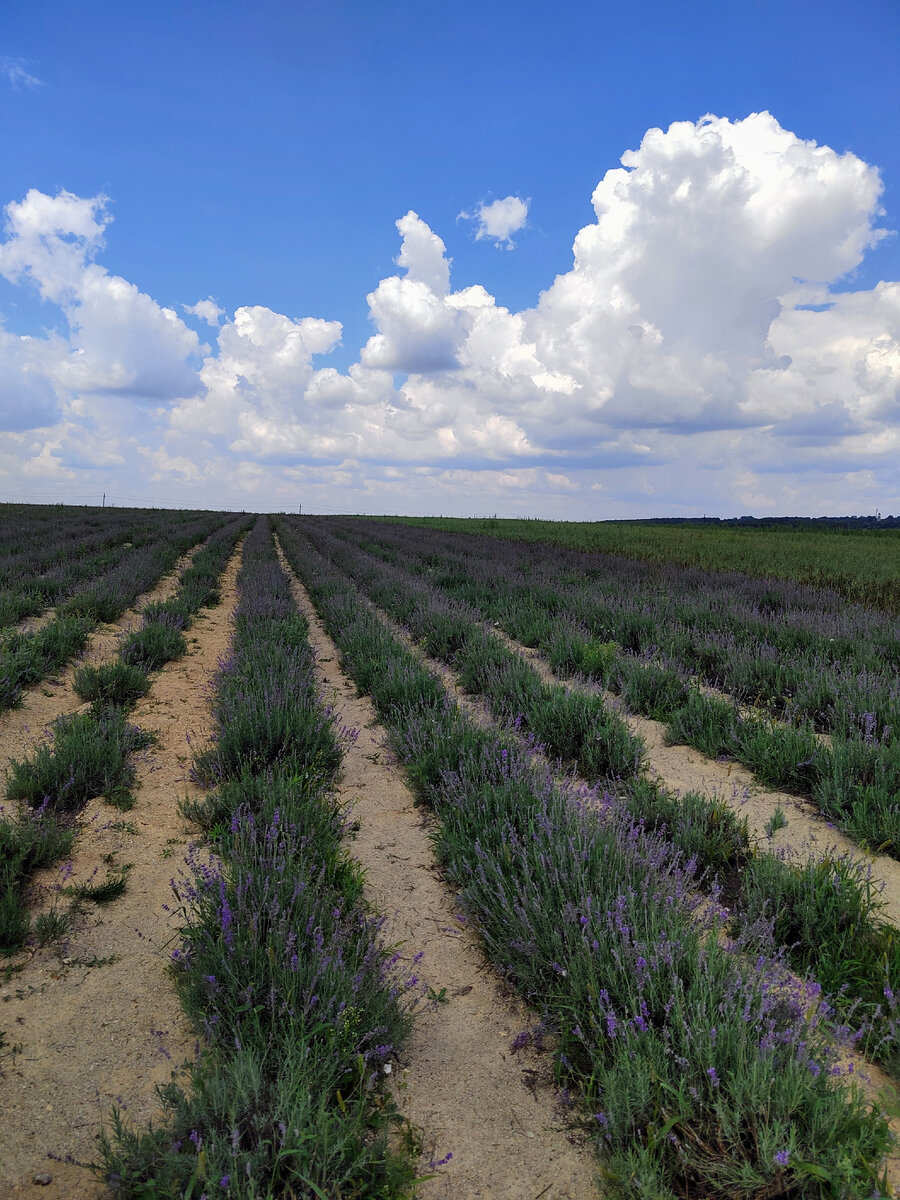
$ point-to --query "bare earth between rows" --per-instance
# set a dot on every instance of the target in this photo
(95, 1017)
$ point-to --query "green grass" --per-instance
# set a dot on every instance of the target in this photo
(27, 844)
(111, 888)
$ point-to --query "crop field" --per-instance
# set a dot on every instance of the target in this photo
(346, 858)
(862, 564)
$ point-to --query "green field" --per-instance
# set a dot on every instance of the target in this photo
(861, 564)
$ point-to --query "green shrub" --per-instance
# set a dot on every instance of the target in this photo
(115, 683)
(153, 646)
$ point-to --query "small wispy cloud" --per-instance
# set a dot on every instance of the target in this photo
(206, 310)
(499, 220)
(16, 71)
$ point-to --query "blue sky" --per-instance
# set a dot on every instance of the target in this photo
(261, 157)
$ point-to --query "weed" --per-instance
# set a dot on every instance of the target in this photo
(35, 840)
(113, 886)
(50, 926)
(777, 821)
(128, 827)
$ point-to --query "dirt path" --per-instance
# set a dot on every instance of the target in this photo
(34, 623)
(95, 1018)
(459, 1083)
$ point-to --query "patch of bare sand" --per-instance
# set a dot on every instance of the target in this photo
(35, 623)
(459, 1083)
(96, 1018)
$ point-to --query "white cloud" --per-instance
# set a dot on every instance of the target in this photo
(499, 220)
(28, 399)
(51, 240)
(16, 71)
(167, 467)
(693, 348)
(423, 255)
(206, 310)
(254, 387)
(121, 341)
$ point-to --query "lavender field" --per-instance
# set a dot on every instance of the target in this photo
(707, 1015)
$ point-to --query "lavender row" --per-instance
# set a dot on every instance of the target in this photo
(26, 658)
(827, 913)
(46, 552)
(802, 653)
(90, 753)
(280, 967)
(856, 780)
(698, 1072)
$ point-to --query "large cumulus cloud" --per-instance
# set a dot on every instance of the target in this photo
(120, 340)
(696, 319)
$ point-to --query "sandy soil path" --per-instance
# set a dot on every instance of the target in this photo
(471, 1096)
(95, 1019)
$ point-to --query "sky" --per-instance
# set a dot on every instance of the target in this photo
(571, 260)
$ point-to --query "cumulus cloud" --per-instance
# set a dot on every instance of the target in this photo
(28, 399)
(121, 341)
(253, 392)
(51, 240)
(418, 331)
(696, 322)
(699, 241)
(499, 220)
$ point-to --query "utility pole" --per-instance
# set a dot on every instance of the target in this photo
(299, 510)
(103, 504)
